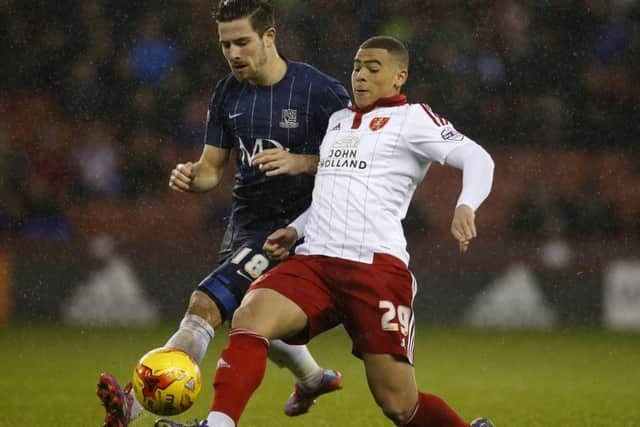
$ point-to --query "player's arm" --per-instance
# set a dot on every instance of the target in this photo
(435, 139)
(279, 243)
(203, 175)
(276, 161)
(477, 179)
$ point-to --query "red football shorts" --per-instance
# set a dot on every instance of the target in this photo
(374, 302)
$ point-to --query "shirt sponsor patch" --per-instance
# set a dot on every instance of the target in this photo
(347, 142)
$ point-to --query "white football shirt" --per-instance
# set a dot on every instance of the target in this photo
(370, 164)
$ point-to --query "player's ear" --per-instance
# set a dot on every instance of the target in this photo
(400, 78)
(269, 37)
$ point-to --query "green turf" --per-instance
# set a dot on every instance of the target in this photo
(520, 379)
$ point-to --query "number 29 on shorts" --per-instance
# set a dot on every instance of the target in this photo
(395, 318)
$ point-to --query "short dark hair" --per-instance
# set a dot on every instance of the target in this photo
(259, 12)
(395, 47)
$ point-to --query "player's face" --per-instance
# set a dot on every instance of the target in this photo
(243, 48)
(375, 75)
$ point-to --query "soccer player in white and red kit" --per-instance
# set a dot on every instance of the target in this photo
(352, 267)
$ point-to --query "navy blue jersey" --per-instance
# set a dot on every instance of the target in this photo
(293, 115)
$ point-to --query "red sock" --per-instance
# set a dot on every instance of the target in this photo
(240, 371)
(431, 411)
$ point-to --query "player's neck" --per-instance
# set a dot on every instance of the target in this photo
(387, 101)
(274, 71)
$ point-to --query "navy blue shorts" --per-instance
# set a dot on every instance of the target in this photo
(228, 283)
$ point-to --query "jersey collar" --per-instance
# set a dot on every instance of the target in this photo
(391, 101)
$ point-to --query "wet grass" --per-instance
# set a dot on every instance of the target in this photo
(562, 378)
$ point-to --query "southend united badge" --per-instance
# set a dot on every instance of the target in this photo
(289, 119)
(378, 123)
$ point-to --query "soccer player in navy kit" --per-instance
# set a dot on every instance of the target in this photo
(274, 112)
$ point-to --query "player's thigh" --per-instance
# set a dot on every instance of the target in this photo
(269, 314)
(393, 383)
(377, 307)
(291, 301)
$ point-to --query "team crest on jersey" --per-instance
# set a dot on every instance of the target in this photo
(378, 123)
(289, 119)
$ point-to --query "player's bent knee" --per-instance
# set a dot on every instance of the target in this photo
(202, 305)
(394, 405)
(270, 314)
(245, 318)
(396, 414)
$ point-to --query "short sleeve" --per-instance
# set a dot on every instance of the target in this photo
(431, 136)
(215, 132)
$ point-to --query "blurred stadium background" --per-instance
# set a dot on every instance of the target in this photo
(99, 99)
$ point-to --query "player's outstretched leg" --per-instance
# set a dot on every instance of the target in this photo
(302, 399)
(481, 422)
(117, 401)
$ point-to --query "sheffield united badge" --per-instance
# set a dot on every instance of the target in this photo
(378, 123)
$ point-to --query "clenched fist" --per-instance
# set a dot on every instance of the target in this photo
(182, 177)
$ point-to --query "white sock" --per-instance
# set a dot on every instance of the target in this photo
(219, 419)
(298, 360)
(193, 336)
(136, 407)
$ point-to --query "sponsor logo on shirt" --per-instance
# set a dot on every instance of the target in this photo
(450, 134)
(289, 119)
(246, 156)
(347, 142)
(343, 154)
(378, 123)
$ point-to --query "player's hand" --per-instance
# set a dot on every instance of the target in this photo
(182, 177)
(279, 243)
(463, 226)
(276, 161)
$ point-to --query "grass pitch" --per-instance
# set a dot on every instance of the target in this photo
(581, 378)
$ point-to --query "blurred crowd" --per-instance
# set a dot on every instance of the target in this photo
(99, 99)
